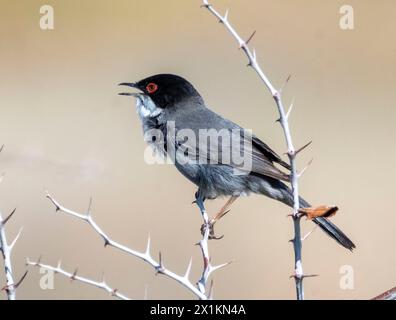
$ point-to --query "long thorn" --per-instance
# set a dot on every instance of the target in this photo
(302, 148)
(309, 233)
(8, 217)
(16, 238)
(214, 268)
(187, 274)
(287, 80)
(250, 38)
(73, 277)
(210, 295)
(89, 210)
(290, 109)
(305, 168)
(21, 280)
(148, 245)
(225, 18)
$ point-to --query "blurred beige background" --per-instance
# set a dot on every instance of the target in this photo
(65, 129)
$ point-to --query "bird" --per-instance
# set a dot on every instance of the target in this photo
(173, 113)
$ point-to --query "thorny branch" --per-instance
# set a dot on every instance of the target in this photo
(74, 277)
(208, 268)
(291, 151)
(146, 256)
(387, 295)
(6, 251)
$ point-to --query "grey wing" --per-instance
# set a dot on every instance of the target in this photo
(232, 147)
(268, 152)
(263, 160)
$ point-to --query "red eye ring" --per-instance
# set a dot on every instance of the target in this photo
(151, 87)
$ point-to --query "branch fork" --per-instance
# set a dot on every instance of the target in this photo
(145, 256)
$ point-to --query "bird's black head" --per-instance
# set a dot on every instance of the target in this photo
(165, 90)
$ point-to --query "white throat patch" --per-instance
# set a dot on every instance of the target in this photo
(146, 108)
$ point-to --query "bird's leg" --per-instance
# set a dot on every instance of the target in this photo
(199, 201)
(224, 210)
(210, 223)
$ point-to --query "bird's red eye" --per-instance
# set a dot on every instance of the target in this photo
(151, 87)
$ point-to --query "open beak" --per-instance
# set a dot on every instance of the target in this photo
(131, 85)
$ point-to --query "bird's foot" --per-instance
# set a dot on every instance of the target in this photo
(210, 227)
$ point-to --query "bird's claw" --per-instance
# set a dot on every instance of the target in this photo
(212, 235)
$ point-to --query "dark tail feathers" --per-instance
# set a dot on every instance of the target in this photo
(331, 229)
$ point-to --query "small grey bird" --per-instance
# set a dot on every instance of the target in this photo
(169, 105)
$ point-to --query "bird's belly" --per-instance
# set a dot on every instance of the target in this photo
(190, 171)
(215, 180)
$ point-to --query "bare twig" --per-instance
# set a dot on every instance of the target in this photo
(6, 250)
(387, 295)
(203, 244)
(208, 268)
(291, 151)
(145, 256)
(74, 277)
